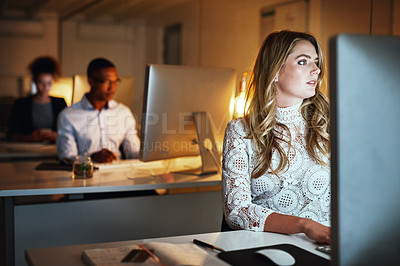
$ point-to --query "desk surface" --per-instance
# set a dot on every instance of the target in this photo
(21, 178)
(26, 150)
(235, 240)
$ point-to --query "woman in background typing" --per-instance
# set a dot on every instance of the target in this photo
(275, 174)
(34, 118)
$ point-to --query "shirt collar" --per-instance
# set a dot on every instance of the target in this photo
(288, 114)
(88, 106)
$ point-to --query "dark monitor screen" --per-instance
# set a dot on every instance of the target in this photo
(172, 94)
(365, 102)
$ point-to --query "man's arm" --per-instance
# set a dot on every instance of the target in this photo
(66, 143)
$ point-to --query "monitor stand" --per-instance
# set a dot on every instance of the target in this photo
(210, 158)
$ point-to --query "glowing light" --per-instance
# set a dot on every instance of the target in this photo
(240, 99)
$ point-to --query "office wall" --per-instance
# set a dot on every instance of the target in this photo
(359, 16)
(23, 40)
(214, 33)
(83, 41)
(223, 33)
(226, 33)
(234, 42)
(396, 18)
(20, 42)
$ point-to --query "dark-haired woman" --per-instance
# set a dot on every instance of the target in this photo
(34, 118)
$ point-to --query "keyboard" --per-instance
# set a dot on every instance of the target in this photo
(326, 249)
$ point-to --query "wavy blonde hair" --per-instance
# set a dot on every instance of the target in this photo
(261, 101)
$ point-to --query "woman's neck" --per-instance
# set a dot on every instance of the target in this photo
(41, 98)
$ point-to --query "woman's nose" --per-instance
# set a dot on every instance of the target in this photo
(316, 70)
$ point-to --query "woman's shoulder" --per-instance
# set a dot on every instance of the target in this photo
(23, 100)
(58, 104)
(238, 126)
(57, 99)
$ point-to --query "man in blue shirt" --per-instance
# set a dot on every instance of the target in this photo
(98, 125)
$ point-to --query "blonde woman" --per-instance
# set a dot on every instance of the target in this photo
(275, 174)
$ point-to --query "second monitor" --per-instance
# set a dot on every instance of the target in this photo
(178, 97)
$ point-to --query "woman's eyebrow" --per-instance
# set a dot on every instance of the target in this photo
(306, 56)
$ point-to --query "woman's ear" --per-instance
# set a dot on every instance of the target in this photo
(276, 78)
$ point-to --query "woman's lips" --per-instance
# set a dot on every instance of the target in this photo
(312, 82)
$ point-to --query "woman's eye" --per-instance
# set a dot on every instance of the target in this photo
(43, 83)
(302, 62)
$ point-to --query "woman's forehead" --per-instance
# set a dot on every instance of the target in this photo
(304, 47)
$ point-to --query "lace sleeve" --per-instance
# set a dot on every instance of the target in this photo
(240, 212)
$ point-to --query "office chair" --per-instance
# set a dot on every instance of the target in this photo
(225, 226)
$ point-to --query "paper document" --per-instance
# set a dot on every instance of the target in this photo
(132, 164)
(167, 254)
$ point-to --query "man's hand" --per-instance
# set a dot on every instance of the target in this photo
(103, 156)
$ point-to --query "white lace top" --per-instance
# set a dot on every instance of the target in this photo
(303, 190)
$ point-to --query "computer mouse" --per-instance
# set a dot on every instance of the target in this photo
(277, 256)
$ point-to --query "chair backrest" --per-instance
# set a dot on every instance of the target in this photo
(225, 226)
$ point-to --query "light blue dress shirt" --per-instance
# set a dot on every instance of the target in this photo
(83, 129)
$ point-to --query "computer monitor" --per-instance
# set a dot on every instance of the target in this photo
(177, 101)
(62, 87)
(365, 102)
(81, 86)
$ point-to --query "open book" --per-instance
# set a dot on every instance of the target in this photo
(151, 253)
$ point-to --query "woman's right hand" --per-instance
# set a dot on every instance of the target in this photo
(288, 224)
(316, 231)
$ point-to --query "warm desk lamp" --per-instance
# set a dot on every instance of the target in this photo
(62, 87)
(240, 100)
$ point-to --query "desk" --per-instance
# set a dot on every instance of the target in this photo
(80, 221)
(234, 240)
(26, 151)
